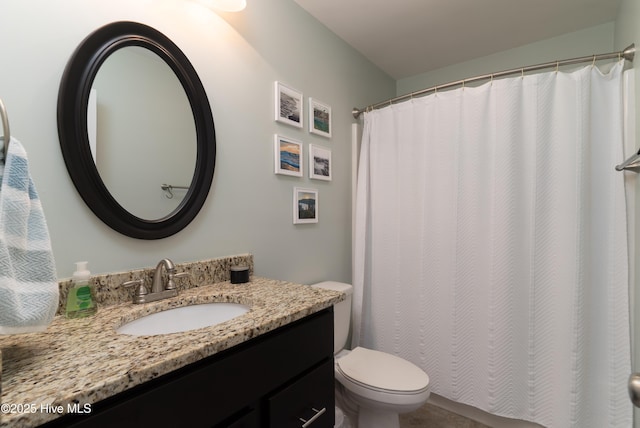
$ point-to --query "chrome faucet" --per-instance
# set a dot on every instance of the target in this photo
(159, 290)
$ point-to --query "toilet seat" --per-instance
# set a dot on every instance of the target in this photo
(384, 372)
(382, 377)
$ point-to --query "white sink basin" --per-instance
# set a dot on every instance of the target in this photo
(184, 318)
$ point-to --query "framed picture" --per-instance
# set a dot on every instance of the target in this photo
(288, 108)
(319, 118)
(288, 156)
(319, 163)
(305, 205)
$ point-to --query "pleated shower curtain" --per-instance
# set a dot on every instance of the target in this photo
(491, 245)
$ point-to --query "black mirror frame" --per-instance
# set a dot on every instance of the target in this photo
(73, 97)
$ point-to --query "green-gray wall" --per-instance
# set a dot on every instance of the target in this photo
(597, 39)
(238, 57)
(628, 31)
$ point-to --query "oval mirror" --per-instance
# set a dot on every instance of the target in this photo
(136, 130)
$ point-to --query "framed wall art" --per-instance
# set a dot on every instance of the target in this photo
(288, 105)
(305, 205)
(319, 163)
(319, 118)
(288, 154)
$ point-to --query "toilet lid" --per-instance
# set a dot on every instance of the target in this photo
(383, 371)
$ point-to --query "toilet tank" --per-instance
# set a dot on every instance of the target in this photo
(341, 313)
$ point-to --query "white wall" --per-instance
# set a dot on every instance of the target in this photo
(238, 57)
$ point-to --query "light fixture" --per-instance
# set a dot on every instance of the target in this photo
(225, 5)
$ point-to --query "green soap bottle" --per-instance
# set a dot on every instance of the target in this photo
(80, 302)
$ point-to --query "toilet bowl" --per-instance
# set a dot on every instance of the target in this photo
(381, 385)
(341, 420)
(375, 386)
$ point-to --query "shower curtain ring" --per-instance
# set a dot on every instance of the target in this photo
(593, 64)
(557, 66)
(522, 71)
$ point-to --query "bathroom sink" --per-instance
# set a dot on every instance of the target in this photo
(184, 318)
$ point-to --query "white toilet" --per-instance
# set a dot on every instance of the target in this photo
(374, 385)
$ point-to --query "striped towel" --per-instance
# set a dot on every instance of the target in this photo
(28, 280)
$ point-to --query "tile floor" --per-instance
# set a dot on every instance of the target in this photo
(435, 417)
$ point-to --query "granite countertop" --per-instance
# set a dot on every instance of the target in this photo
(84, 360)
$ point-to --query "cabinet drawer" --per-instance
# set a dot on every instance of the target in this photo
(308, 401)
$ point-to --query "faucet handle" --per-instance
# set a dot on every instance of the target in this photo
(141, 290)
(171, 285)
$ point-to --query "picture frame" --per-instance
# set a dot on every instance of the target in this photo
(305, 205)
(288, 156)
(319, 118)
(320, 165)
(289, 107)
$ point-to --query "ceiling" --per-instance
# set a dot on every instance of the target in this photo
(409, 37)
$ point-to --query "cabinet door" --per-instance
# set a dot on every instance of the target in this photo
(306, 402)
(212, 391)
(247, 418)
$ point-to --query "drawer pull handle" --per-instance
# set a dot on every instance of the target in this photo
(313, 419)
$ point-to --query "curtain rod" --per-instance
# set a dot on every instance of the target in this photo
(627, 54)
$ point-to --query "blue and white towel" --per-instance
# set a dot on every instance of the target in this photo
(28, 280)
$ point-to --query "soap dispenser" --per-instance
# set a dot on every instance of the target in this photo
(80, 302)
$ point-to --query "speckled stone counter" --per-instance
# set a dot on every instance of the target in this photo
(84, 360)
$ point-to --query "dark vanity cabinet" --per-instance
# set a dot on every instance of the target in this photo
(280, 379)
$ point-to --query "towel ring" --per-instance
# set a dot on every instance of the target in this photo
(5, 127)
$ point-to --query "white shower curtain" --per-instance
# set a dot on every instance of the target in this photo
(491, 245)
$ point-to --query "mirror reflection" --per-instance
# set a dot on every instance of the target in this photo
(142, 132)
(147, 130)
